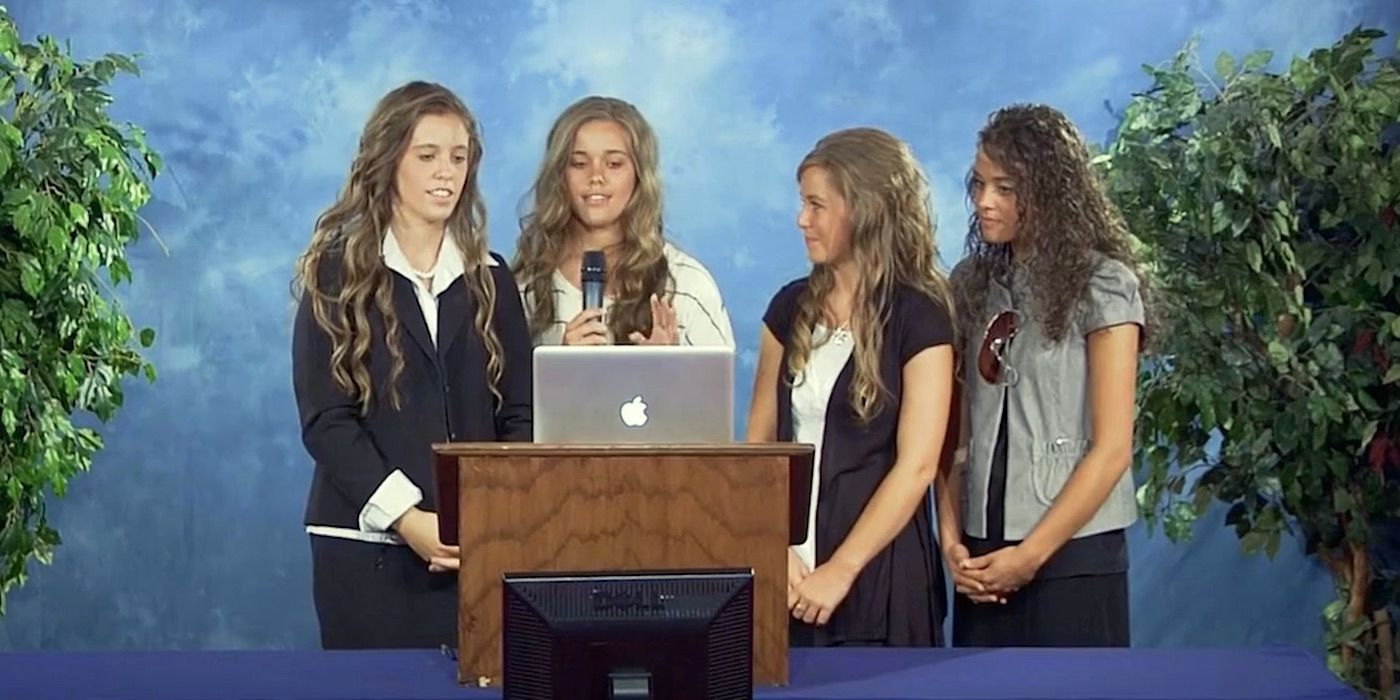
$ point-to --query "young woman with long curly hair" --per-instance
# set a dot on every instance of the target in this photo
(1054, 313)
(409, 332)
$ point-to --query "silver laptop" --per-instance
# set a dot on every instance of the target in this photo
(634, 394)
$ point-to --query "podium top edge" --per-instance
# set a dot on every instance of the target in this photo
(523, 449)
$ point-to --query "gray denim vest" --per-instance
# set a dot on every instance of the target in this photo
(1048, 410)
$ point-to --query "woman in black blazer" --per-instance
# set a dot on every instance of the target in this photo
(857, 359)
(408, 332)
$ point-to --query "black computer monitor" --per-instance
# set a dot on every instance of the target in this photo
(642, 634)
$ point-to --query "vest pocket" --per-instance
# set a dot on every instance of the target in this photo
(1052, 463)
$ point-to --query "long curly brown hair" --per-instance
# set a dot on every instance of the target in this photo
(893, 244)
(351, 231)
(1067, 221)
(640, 269)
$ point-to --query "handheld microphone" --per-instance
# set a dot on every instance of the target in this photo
(593, 276)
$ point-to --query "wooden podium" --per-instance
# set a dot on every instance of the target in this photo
(540, 508)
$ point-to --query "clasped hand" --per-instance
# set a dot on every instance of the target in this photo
(419, 530)
(814, 595)
(992, 576)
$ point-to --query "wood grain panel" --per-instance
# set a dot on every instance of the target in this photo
(572, 509)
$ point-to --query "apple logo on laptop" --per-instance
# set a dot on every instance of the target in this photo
(634, 412)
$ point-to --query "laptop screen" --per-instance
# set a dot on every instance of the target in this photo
(634, 394)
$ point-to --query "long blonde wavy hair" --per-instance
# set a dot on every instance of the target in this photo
(892, 240)
(348, 236)
(639, 269)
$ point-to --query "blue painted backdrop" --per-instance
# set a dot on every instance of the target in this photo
(187, 534)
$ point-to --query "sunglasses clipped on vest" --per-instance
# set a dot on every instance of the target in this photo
(996, 343)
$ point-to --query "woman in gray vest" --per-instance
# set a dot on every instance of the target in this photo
(857, 359)
(1053, 317)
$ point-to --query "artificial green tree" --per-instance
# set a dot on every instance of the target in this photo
(1265, 204)
(71, 183)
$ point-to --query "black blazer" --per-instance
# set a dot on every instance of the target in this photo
(443, 392)
(898, 597)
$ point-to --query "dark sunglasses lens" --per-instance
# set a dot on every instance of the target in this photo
(995, 345)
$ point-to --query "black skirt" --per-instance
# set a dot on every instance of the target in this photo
(380, 596)
(1074, 611)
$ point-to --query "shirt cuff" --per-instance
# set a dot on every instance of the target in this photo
(395, 495)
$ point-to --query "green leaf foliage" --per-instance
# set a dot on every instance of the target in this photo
(1266, 204)
(71, 183)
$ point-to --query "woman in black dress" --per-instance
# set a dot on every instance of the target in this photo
(857, 359)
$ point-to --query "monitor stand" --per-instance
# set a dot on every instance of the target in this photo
(630, 683)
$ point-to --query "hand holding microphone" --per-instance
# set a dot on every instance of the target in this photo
(587, 328)
(593, 276)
